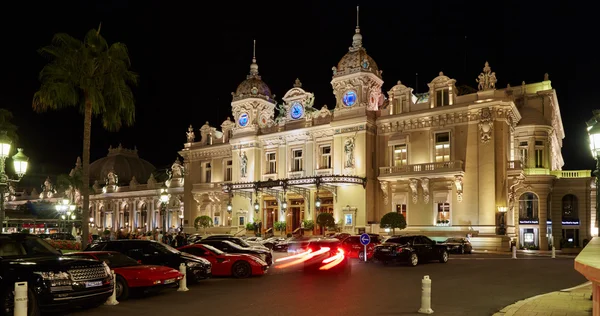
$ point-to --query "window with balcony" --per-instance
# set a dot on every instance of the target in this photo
(228, 170)
(569, 208)
(271, 163)
(528, 208)
(207, 172)
(443, 213)
(442, 97)
(297, 160)
(325, 157)
(400, 155)
(442, 147)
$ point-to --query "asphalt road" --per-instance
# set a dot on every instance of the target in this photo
(477, 284)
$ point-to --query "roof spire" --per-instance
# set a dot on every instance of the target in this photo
(254, 65)
(357, 38)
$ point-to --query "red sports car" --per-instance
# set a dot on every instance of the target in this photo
(228, 264)
(354, 249)
(131, 274)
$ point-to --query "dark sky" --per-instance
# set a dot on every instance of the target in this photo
(191, 57)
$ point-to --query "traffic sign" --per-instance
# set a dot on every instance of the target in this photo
(365, 239)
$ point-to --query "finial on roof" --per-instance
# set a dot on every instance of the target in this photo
(254, 65)
(357, 38)
(357, 24)
(546, 77)
(297, 83)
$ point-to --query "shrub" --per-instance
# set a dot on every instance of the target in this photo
(393, 220)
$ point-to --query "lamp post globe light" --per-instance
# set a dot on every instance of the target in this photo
(593, 129)
(229, 207)
(20, 163)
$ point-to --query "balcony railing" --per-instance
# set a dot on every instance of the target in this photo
(572, 173)
(517, 165)
(423, 168)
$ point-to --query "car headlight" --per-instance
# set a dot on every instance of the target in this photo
(192, 264)
(51, 276)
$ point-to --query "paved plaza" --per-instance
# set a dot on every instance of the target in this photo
(478, 284)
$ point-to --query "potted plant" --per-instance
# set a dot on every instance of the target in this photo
(309, 225)
(325, 220)
(280, 226)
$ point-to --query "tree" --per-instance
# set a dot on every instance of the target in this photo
(96, 79)
(325, 220)
(393, 220)
(203, 221)
(6, 125)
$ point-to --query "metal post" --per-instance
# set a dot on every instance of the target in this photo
(112, 300)
(426, 296)
(365, 253)
(20, 299)
(597, 191)
(3, 185)
(183, 282)
(514, 252)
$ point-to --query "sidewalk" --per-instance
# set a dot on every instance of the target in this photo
(569, 302)
(540, 253)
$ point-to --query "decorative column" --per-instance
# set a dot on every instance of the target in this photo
(135, 221)
(150, 215)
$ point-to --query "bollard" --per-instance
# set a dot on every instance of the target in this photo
(426, 296)
(20, 299)
(514, 251)
(183, 282)
(112, 300)
(553, 252)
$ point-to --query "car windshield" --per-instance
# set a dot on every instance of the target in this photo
(455, 240)
(25, 246)
(229, 243)
(165, 249)
(116, 260)
(401, 240)
(213, 249)
(240, 242)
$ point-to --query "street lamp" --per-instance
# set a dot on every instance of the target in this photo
(229, 207)
(256, 205)
(20, 162)
(502, 210)
(593, 129)
(164, 198)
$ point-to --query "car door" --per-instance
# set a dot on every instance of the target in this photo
(423, 249)
(429, 247)
(217, 267)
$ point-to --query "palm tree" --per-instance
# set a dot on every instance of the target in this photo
(6, 125)
(94, 78)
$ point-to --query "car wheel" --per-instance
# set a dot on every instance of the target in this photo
(8, 303)
(241, 269)
(121, 289)
(414, 259)
(444, 256)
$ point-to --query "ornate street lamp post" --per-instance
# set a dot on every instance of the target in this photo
(20, 162)
(593, 129)
(164, 198)
(502, 210)
(65, 208)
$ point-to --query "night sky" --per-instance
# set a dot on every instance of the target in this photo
(191, 57)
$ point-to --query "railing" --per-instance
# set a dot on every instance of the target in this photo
(323, 172)
(296, 174)
(431, 167)
(571, 173)
(518, 165)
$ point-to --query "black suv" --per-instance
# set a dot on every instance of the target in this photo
(155, 253)
(412, 249)
(54, 282)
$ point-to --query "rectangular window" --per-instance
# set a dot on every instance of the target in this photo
(442, 147)
(400, 155)
(325, 152)
(539, 158)
(523, 153)
(207, 172)
(401, 209)
(272, 163)
(442, 97)
(297, 163)
(242, 221)
(228, 170)
(443, 213)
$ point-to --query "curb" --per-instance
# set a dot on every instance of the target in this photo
(513, 308)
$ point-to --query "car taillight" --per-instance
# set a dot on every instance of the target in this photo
(399, 249)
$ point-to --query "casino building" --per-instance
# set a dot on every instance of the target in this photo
(485, 162)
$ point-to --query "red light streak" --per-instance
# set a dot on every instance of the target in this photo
(333, 261)
(301, 257)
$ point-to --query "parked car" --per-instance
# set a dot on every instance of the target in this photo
(354, 249)
(229, 247)
(155, 253)
(412, 249)
(458, 245)
(272, 241)
(54, 282)
(62, 236)
(132, 274)
(237, 240)
(298, 244)
(228, 264)
(326, 254)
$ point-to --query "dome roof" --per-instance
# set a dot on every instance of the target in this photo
(253, 86)
(356, 59)
(125, 163)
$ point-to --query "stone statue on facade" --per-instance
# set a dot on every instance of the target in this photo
(151, 181)
(176, 169)
(334, 69)
(47, 189)
(112, 178)
(96, 186)
(487, 79)
(349, 152)
(190, 134)
(243, 164)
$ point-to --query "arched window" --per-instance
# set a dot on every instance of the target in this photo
(528, 206)
(126, 213)
(569, 207)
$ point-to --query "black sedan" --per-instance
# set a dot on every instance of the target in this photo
(412, 249)
(458, 245)
(229, 247)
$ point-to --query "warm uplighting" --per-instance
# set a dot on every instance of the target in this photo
(502, 209)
